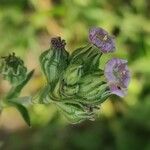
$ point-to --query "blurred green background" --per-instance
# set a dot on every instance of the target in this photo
(123, 124)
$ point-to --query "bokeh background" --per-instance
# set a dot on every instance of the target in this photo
(123, 124)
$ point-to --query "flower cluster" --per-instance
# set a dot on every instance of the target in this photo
(76, 83)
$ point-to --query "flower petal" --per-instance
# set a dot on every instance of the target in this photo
(117, 91)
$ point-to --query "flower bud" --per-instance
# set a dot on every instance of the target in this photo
(55, 60)
(13, 69)
(73, 74)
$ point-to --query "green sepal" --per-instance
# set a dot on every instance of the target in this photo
(45, 61)
(55, 92)
(44, 97)
(73, 74)
(79, 53)
(69, 91)
(53, 63)
(87, 56)
(89, 83)
(75, 113)
(95, 94)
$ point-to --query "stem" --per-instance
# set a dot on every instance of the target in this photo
(15, 91)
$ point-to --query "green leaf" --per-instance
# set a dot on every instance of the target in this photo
(23, 111)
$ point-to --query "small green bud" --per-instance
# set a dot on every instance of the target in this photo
(13, 69)
(55, 60)
(73, 74)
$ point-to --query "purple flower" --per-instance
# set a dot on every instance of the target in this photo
(101, 39)
(118, 76)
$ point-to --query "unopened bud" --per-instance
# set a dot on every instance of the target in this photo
(73, 74)
(55, 60)
(13, 69)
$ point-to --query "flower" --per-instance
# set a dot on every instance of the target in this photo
(101, 39)
(118, 76)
